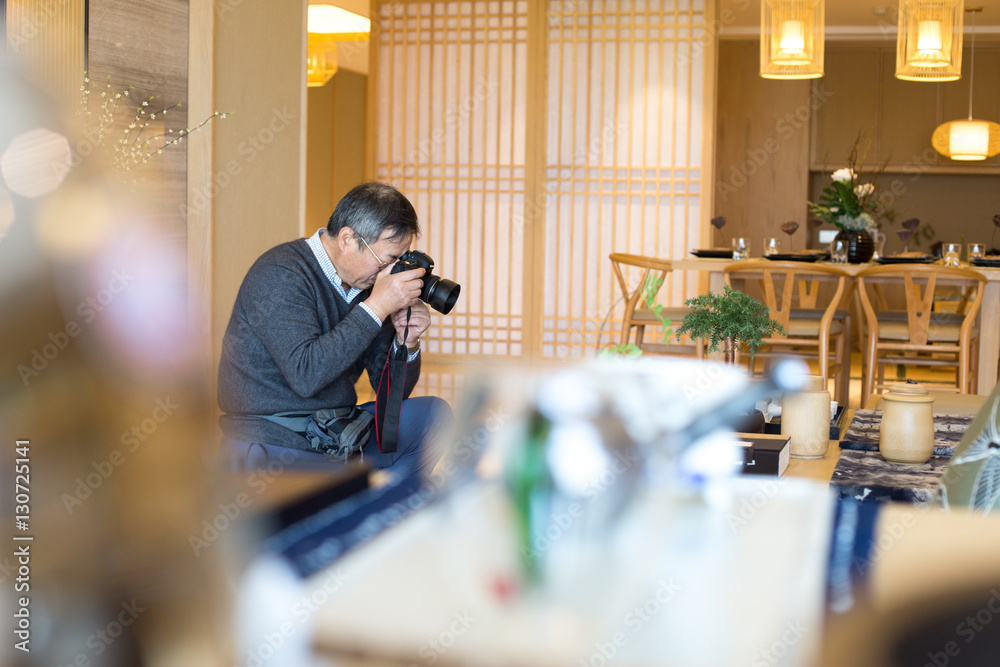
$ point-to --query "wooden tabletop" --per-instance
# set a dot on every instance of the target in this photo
(821, 469)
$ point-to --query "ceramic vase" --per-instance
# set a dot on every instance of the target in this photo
(805, 419)
(860, 245)
(906, 434)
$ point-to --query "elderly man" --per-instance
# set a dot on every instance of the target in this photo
(310, 316)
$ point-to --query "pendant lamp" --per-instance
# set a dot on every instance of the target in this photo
(968, 139)
(327, 26)
(929, 40)
(791, 39)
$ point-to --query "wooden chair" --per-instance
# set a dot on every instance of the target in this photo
(636, 315)
(791, 291)
(919, 336)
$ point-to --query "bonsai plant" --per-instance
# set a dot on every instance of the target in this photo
(731, 318)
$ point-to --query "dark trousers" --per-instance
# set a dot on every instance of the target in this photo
(421, 420)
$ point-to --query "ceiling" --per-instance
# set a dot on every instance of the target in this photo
(851, 20)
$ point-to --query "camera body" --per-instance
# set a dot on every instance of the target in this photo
(438, 293)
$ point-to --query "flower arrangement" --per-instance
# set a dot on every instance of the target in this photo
(851, 201)
(141, 138)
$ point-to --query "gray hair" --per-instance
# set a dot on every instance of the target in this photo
(371, 209)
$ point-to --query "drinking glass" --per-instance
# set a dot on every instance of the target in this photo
(838, 251)
(976, 250)
(879, 249)
(772, 246)
(951, 252)
(879, 244)
(741, 248)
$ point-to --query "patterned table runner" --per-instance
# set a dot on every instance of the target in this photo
(863, 433)
(863, 474)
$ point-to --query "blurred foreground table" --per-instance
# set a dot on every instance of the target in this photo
(748, 562)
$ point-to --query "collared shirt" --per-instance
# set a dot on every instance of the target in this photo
(316, 245)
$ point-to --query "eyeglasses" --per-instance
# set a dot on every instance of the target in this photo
(381, 264)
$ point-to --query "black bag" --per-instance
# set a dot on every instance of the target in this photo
(334, 432)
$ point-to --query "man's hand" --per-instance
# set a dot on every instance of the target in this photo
(395, 291)
(420, 319)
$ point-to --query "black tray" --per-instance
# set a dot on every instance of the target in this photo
(795, 257)
(713, 253)
(925, 259)
(986, 261)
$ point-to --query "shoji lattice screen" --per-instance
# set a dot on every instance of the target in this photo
(450, 110)
(616, 167)
(623, 150)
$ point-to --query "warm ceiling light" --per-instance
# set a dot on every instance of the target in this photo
(327, 26)
(334, 20)
(791, 39)
(968, 139)
(929, 40)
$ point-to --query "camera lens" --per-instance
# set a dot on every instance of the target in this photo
(440, 293)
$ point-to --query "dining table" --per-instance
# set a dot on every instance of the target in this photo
(989, 311)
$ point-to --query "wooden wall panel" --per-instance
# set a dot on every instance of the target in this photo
(906, 110)
(762, 147)
(852, 81)
(899, 116)
(258, 191)
(146, 48)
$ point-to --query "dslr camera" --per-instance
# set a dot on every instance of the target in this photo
(438, 293)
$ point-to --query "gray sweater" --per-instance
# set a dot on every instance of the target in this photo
(293, 343)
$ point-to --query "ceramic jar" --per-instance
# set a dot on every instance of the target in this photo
(860, 245)
(907, 431)
(805, 418)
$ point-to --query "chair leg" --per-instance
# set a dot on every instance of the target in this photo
(973, 365)
(963, 370)
(842, 383)
(823, 361)
(626, 331)
(867, 385)
(639, 331)
(847, 344)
